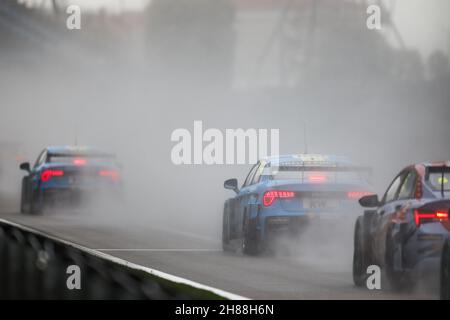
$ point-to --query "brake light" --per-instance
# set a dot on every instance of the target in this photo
(421, 216)
(317, 178)
(270, 196)
(441, 215)
(358, 194)
(47, 174)
(109, 173)
(79, 162)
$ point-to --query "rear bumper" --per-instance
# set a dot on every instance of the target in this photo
(422, 250)
(77, 196)
(427, 267)
(286, 224)
(427, 272)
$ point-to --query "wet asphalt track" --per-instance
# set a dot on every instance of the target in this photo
(319, 274)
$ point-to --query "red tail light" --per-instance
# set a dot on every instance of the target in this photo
(421, 216)
(79, 162)
(270, 196)
(356, 195)
(109, 173)
(47, 174)
(317, 178)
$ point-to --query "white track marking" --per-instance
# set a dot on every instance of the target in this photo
(159, 228)
(185, 233)
(161, 250)
(170, 277)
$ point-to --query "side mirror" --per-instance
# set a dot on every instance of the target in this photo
(25, 166)
(369, 201)
(231, 184)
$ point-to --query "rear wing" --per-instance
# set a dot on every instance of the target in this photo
(304, 167)
(82, 155)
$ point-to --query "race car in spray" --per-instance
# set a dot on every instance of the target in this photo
(284, 195)
(404, 232)
(68, 175)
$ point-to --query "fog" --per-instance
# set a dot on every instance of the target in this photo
(125, 82)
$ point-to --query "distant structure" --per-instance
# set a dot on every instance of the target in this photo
(277, 38)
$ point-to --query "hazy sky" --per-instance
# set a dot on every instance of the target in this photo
(424, 24)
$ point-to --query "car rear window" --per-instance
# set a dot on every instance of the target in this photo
(435, 179)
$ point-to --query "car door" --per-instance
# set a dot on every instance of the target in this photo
(254, 189)
(385, 215)
(36, 170)
(236, 213)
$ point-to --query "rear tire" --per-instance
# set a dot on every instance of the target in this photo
(445, 272)
(226, 230)
(250, 245)
(398, 280)
(35, 206)
(24, 203)
(360, 255)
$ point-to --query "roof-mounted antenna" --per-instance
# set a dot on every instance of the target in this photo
(305, 138)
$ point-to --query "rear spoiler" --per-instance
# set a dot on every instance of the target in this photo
(325, 168)
(305, 168)
(82, 155)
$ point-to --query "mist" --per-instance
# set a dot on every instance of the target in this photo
(126, 81)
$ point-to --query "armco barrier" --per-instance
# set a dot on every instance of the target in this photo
(33, 265)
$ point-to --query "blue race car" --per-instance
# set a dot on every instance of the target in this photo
(283, 195)
(67, 175)
(406, 230)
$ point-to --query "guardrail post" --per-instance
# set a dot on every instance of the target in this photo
(53, 274)
(4, 272)
(16, 262)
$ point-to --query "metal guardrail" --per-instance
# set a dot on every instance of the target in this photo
(33, 265)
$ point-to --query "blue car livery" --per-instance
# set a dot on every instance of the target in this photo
(66, 175)
(405, 231)
(282, 195)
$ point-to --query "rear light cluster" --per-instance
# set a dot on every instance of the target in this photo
(270, 196)
(356, 195)
(109, 173)
(429, 216)
(317, 178)
(79, 162)
(47, 174)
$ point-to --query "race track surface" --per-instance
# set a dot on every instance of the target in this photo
(313, 274)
